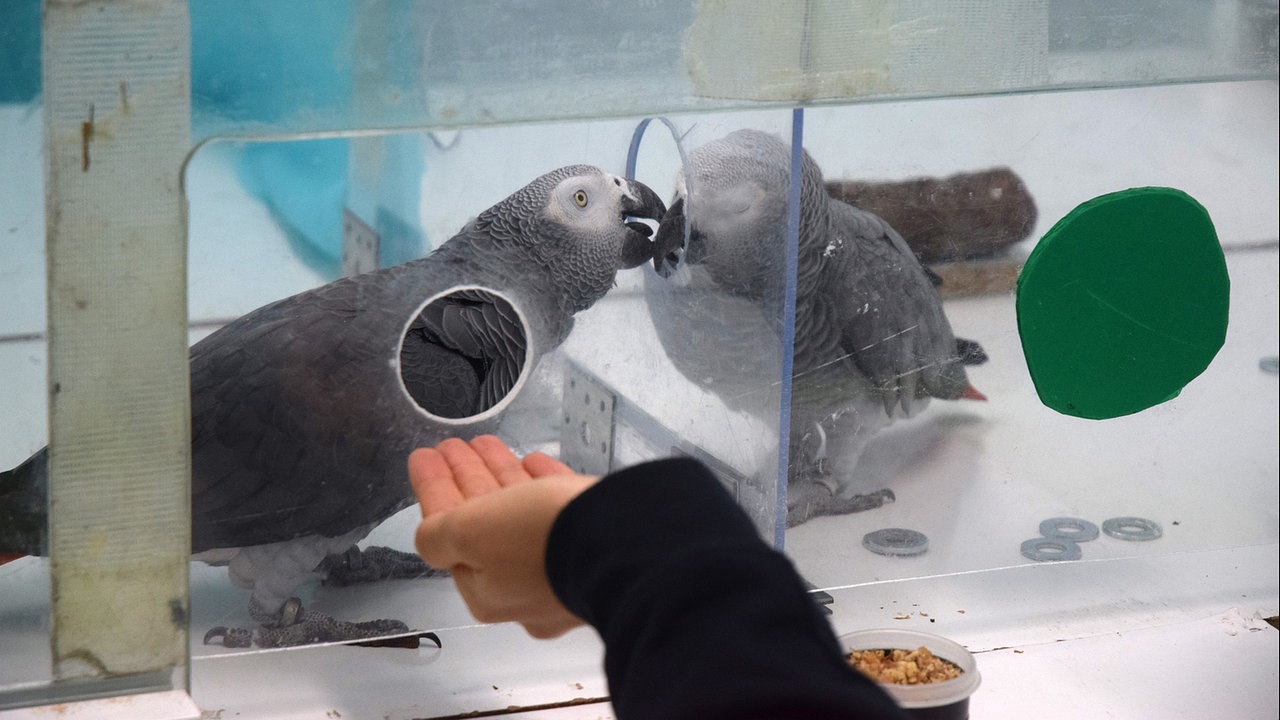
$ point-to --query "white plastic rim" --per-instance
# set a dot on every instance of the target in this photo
(920, 696)
(526, 365)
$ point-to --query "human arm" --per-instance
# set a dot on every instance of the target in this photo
(699, 617)
(494, 543)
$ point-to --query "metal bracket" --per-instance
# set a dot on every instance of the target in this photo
(360, 245)
(601, 425)
(586, 438)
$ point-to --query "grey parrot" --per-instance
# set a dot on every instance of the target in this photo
(872, 343)
(305, 410)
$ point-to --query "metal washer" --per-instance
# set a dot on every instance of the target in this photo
(1132, 528)
(1069, 528)
(896, 541)
(1049, 549)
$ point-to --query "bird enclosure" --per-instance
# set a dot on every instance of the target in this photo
(864, 382)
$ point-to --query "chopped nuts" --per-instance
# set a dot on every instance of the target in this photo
(903, 667)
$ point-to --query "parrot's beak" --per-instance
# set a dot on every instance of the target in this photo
(639, 202)
(668, 244)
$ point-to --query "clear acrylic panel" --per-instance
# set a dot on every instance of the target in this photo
(973, 184)
(497, 92)
(439, 63)
(268, 219)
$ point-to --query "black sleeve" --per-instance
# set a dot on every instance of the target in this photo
(699, 617)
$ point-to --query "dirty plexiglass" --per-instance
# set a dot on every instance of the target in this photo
(607, 396)
(437, 66)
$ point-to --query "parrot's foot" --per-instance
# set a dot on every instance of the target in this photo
(292, 626)
(814, 499)
(375, 563)
(231, 637)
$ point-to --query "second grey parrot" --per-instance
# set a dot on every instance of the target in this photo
(304, 411)
(872, 342)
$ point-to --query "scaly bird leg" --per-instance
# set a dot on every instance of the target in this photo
(373, 564)
(809, 499)
(292, 626)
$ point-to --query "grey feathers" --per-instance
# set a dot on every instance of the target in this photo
(463, 353)
(309, 423)
(871, 339)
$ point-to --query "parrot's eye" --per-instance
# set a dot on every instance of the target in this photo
(580, 198)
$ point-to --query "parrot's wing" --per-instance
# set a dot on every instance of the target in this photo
(24, 502)
(463, 354)
(282, 400)
(889, 314)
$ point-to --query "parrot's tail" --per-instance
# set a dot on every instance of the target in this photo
(23, 507)
(970, 352)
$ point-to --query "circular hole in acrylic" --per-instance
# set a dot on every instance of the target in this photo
(464, 355)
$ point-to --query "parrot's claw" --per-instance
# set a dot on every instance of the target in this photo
(817, 454)
(815, 499)
(231, 637)
(411, 642)
(319, 628)
(858, 503)
(375, 563)
(290, 613)
(292, 626)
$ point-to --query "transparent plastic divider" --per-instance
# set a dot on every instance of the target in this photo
(268, 261)
(978, 479)
(443, 64)
(457, 65)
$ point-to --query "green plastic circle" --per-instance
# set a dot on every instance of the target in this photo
(1123, 303)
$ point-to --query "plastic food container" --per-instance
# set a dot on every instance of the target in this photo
(946, 700)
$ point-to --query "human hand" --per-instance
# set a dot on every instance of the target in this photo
(486, 517)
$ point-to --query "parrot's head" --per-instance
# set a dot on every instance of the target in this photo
(582, 225)
(729, 212)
